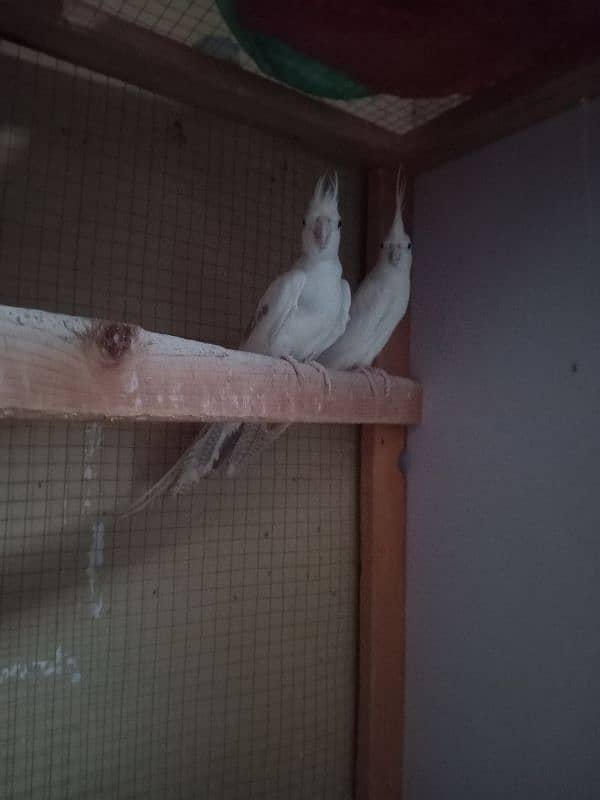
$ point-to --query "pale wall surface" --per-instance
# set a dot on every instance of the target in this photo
(503, 681)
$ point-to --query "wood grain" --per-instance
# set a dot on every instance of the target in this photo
(382, 551)
(57, 366)
(81, 33)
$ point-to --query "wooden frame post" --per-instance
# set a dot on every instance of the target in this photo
(382, 554)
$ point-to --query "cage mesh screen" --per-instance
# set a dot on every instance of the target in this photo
(198, 23)
(205, 648)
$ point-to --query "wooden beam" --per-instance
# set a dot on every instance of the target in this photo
(509, 107)
(79, 32)
(57, 366)
(380, 729)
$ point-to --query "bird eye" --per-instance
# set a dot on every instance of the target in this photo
(304, 223)
(339, 224)
(409, 246)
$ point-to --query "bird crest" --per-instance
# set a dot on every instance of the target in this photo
(325, 196)
(398, 223)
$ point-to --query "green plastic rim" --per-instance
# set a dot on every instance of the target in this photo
(280, 61)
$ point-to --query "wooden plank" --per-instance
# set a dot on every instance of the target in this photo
(57, 366)
(81, 33)
(382, 552)
(500, 111)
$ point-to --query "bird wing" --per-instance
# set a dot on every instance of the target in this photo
(367, 310)
(273, 311)
(344, 315)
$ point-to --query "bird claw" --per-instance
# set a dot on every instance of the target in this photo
(312, 363)
(295, 364)
(322, 372)
(369, 372)
(387, 386)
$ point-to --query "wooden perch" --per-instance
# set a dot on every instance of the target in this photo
(63, 367)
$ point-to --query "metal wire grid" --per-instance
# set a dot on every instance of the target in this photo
(207, 648)
(198, 23)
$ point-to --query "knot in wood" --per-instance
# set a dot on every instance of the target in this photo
(115, 339)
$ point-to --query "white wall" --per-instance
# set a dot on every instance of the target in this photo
(503, 672)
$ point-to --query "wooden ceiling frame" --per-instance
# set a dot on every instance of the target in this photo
(78, 32)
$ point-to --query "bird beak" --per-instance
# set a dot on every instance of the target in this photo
(321, 232)
(395, 254)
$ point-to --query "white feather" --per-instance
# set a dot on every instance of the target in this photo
(381, 300)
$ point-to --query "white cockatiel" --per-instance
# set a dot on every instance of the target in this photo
(378, 305)
(380, 302)
(300, 315)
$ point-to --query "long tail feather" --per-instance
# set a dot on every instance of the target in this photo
(253, 439)
(204, 455)
(160, 487)
(199, 460)
(227, 446)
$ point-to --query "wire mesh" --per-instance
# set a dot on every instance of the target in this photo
(198, 23)
(207, 647)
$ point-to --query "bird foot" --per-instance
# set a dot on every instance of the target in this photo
(369, 372)
(322, 372)
(387, 384)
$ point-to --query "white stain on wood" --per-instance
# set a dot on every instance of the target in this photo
(14, 141)
(93, 444)
(62, 665)
(95, 563)
(133, 384)
(93, 440)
